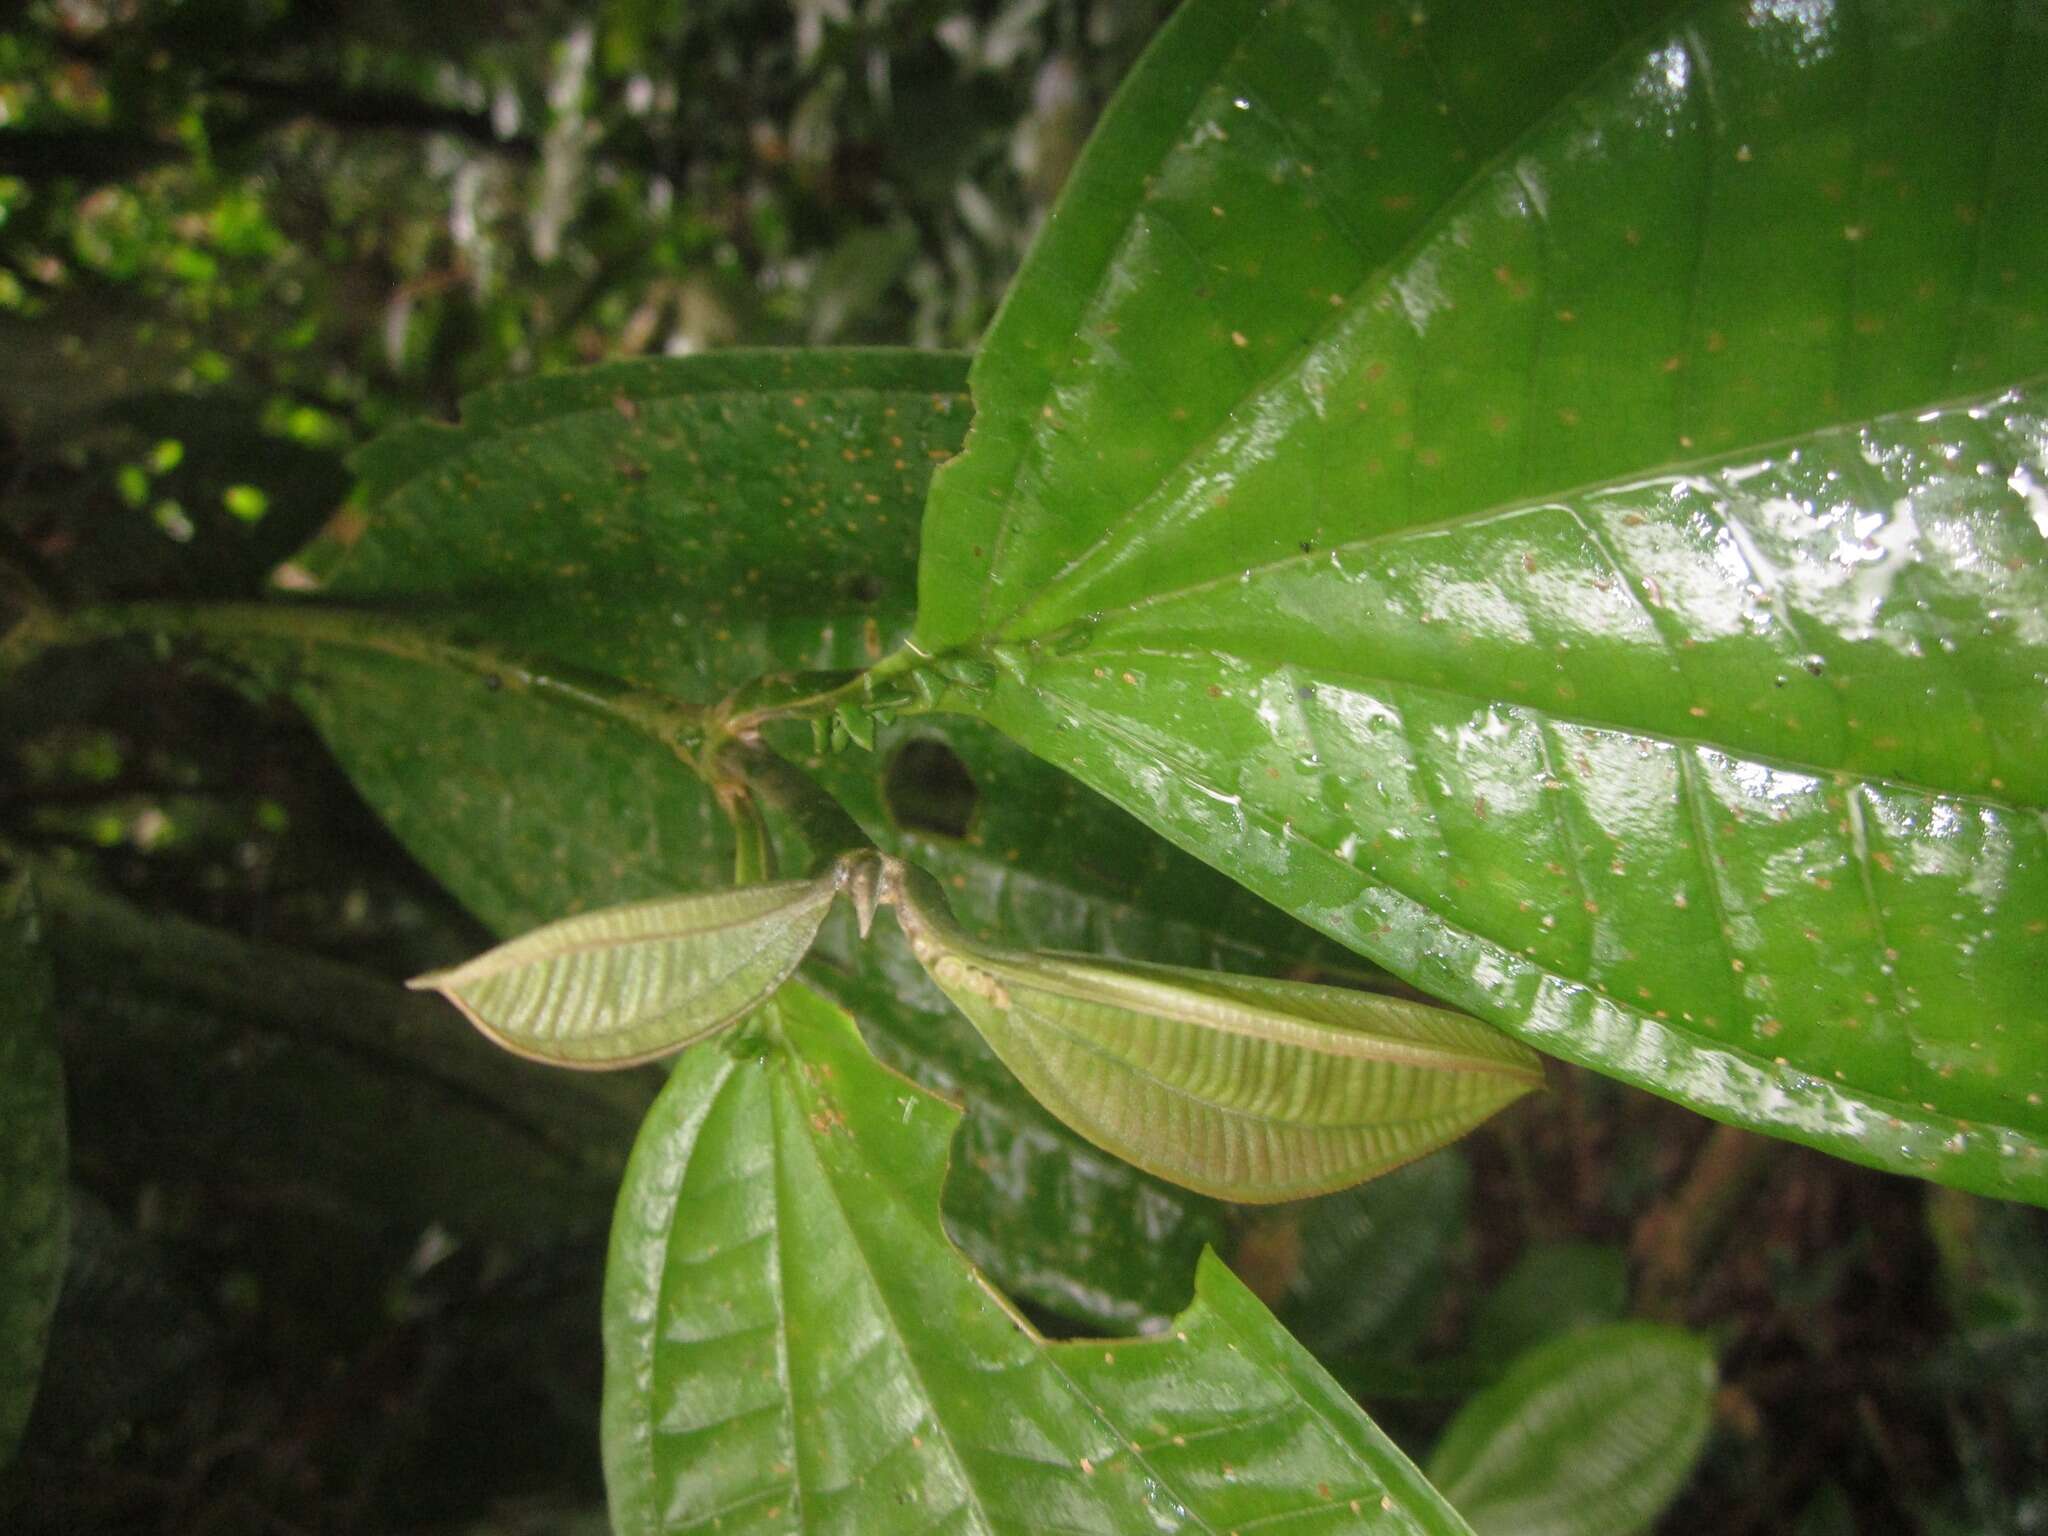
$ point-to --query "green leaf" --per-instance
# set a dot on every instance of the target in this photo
(528, 805)
(791, 1345)
(662, 530)
(34, 1203)
(1576, 534)
(1994, 1268)
(1241, 1087)
(1022, 848)
(628, 984)
(1047, 1216)
(1591, 1434)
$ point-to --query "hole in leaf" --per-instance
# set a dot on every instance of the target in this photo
(928, 789)
(862, 587)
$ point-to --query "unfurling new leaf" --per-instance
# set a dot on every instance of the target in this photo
(625, 985)
(1243, 1088)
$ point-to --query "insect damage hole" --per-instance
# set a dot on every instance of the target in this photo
(927, 789)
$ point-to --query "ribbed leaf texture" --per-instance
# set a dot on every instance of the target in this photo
(680, 525)
(793, 1346)
(1241, 1087)
(628, 984)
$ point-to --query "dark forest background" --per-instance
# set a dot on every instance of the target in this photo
(322, 1284)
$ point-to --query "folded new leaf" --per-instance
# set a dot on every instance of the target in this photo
(625, 985)
(1243, 1088)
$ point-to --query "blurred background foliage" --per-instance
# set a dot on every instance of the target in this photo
(238, 238)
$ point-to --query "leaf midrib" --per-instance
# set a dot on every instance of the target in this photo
(1288, 364)
(1384, 1051)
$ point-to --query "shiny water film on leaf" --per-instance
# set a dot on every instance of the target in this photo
(625, 985)
(35, 1209)
(791, 1344)
(1577, 534)
(1241, 1087)
(1591, 1434)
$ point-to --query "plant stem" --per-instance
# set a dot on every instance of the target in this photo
(748, 709)
(818, 818)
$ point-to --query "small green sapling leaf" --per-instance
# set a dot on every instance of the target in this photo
(628, 984)
(1241, 1087)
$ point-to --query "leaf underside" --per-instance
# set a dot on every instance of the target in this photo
(791, 1344)
(625, 985)
(1245, 1089)
(1562, 507)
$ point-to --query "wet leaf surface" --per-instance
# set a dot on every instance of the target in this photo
(791, 1345)
(1573, 534)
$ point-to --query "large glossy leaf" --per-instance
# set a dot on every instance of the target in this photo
(791, 1345)
(1558, 505)
(1243, 1087)
(1589, 1435)
(34, 1204)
